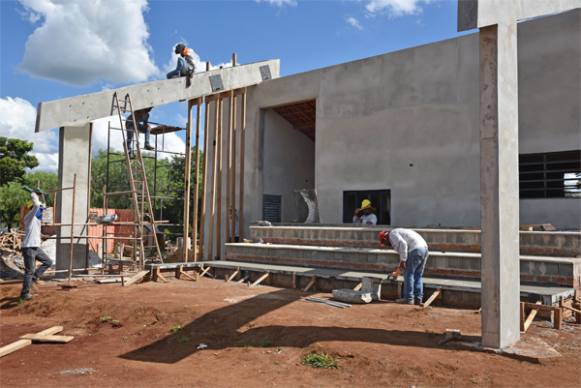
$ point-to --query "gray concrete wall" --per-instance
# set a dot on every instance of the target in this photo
(288, 163)
(408, 121)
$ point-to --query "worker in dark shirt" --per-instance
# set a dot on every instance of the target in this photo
(142, 118)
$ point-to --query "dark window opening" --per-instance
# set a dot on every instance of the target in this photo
(380, 199)
(271, 208)
(550, 175)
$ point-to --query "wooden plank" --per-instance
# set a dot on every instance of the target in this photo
(557, 319)
(196, 204)
(522, 317)
(571, 309)
(358, 286)
(21, 343)
(432, 298)
(205, 271)
(233, 275)
(242, 171)
(310, 284)
(187, 186)
(205, 182)
(135, 278)
(530, 318)
(56, 339)
(294, 280)
(260, 279)
(214, 180)
(229, 219)
(220, 146)
(543, 307)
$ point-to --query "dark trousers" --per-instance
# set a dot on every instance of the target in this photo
(31, 274)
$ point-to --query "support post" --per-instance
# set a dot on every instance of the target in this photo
(214, 180)
(197, 183)
(220, 146)
(229, 170)
(205, 183)
(72, 244)
(499, 185)
(187, 186)
(242, 154)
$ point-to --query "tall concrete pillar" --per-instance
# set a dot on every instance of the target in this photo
(499, 185)
(74, 158)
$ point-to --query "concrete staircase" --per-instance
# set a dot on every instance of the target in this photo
(547, 258)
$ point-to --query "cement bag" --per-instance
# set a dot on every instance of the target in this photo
(351, 296)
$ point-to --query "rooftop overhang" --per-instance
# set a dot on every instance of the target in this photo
(484, 13)
(79, 110)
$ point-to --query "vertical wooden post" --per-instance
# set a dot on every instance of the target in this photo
(233, 173)
(187, 185)
(242, 152)
(219, 185)
(205, 184)
(214, 180)
(229, 197)
(197, 182)
(72, 244)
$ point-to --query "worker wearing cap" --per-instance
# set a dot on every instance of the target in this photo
(413, 255)
(366, 214)
(185, 65)
(31, 250)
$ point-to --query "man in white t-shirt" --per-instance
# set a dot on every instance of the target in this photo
(365, 215)
(31, 250)
(413, 255)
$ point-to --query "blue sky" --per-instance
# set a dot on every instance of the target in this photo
(52, 49)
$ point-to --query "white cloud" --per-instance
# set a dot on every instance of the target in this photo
(17, 120)
(81, 42)
(353, 22)
(279, 3)
(395, 7)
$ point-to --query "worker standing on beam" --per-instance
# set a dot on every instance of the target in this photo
(31, 250)
(366, 214)
(413, 255)
(185, 65)
(142, 118)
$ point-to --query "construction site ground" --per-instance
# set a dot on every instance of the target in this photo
(151, 334)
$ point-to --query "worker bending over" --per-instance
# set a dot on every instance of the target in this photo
(366, 214)
(185, 65)
(413, 254)
(31, 250)
(142, 118)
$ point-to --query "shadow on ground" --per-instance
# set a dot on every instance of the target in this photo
(229, 327)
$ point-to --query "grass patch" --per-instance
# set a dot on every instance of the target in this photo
(175, 328)
(105, 318)
(319, 360)
(116, 323)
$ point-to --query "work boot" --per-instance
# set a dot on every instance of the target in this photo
(24, 298)
(418, 302)
(404, 301)
(149, 147)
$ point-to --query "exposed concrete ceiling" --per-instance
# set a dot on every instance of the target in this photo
(301, 115)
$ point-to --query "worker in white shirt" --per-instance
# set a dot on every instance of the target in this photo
(365, 215)
(31, 250)
(413, 255)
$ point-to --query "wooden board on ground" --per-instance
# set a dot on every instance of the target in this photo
(56, 339)
(135, 278)
(21, 343)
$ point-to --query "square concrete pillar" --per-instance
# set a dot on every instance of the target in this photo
(499, 185)
(74, 158)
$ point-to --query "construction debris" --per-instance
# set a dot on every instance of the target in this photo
(327, 302)
(42, 336)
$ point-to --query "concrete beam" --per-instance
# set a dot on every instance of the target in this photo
(484, 13)
(499, 187)
(79, 110)
(74, 158)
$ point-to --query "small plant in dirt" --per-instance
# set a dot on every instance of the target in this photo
(115, 323)
(105, 318)
(319, 360)
(175, 328)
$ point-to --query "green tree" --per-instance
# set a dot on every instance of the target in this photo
(14, 159)
(12, 197)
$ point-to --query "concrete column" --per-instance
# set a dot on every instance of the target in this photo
(499, 185)
(74, 158)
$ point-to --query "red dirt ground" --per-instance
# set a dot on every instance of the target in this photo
(255, 337)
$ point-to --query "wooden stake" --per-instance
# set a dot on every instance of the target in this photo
(204, 271)
(187, 186)
(310, 284)
(358, 286)
(530, 318)
(184, 273)
(232, 275)
(197, 183)
(242, 152)
(205, 184)
(432, 298)
(135, 278)
(259, 280)
(522, 317)
(71, 249)
(557, 318)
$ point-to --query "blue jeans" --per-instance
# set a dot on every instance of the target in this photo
(414, 270)
(130, 133)
(31, 274)
(180, 70)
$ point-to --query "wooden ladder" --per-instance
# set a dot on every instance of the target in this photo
(138, 186)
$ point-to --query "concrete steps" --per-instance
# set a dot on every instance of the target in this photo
(560, 244)
(561, 271)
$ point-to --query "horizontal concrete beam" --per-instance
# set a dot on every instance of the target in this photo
(483, 13)
(79, 110)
